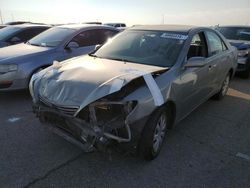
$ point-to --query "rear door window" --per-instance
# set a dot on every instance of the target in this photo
(29, 33)
(93, 37)
(105, 34)
(216, 44)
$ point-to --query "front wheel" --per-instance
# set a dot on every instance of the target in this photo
(153, 134)
(224, 88)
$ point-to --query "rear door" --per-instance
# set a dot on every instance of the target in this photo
(218, 58)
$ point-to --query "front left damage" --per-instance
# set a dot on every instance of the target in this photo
(115, 111)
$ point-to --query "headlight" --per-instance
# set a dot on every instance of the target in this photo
(113, 108)
(243, 53)
(129, 107)
(8, 68)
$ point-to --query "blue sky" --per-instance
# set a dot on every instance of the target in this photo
(194, 12)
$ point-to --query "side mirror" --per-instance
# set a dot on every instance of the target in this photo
(195, 62)
(15, 40)
(72, 45)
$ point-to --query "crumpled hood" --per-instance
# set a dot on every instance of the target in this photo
(20, 50)
(80, 81)
(240, 44)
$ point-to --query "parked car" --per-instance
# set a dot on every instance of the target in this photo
(2, 26)
(96, 23)
(239, 37)
(19, 62)
(120, 25)
(17, 23)
(135, 87)
(11, 35)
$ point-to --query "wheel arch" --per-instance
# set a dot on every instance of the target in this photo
(231, 73)
(35, 70)
(171, 106)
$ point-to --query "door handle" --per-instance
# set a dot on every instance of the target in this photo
(210, 67)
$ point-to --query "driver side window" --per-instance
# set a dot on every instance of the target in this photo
(198, 46)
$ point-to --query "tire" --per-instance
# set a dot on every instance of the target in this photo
(224, 88)
(151, 141)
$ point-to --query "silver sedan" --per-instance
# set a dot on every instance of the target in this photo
(135, 87)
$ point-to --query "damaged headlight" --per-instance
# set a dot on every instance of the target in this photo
(107, 110)
(7, 68)
(129, 107)
(126, 107)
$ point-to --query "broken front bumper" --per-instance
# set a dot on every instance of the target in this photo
(87, 135)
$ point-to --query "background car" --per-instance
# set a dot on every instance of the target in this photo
(135, 87)
(96, 23)
(11, 35)
(19, 62)
(2, 26)
(17, 23)
(239, 37)
(116, 24)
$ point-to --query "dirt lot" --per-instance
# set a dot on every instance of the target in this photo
(210, 148)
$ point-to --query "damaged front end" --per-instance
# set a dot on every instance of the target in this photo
(92, 111)
(94, 127)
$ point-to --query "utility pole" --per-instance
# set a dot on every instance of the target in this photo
(1, 17)
(12, 16)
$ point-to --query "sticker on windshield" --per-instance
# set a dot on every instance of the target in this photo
(245, 32)
(174, 36)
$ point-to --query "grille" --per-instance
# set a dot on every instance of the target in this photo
(69, 110)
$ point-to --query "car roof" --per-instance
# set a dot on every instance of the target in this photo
(241, 26)
(87, 26)
(176, 28)
(115, 23)
(28, 25)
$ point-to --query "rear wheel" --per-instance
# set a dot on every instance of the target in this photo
(154, 133)
(224, 88)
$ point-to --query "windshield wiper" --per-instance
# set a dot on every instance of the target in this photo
(93, 55)
(121, 59)
(33, 44)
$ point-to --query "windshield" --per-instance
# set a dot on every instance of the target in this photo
(236, 33)
(7, 32)
(52, 37)
(156, 48)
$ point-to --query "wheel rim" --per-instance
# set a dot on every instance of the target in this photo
(159, 133)
(225, 86)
